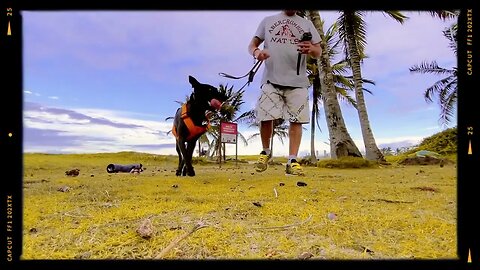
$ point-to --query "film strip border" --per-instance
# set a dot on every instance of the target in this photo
(11, 133)
(468, 130)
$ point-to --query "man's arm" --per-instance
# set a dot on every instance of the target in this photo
(253, 49)
(254, 45)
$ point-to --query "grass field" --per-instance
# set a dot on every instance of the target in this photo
(233, 212)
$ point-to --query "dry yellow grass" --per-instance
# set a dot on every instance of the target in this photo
(388, 212)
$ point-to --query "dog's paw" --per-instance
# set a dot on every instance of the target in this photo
(178, 172)
(191, 172)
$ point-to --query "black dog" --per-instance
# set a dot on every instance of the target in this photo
(191, 121)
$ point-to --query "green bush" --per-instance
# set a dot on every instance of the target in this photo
(444, 143)
(346, 162)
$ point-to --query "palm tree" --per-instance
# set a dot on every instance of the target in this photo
(314, 78)
(353, 34)
(387, 151)
(227, 113)
(343, 83)
(447, 88)
(316, 97)
(341, 144)
(201, 141)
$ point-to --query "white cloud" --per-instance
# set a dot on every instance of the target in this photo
(107, 138)
(28, 92)
(99, 136)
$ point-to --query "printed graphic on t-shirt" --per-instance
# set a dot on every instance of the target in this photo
(285, 31)
(281, 32)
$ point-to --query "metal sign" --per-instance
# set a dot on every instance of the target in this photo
(228, 132)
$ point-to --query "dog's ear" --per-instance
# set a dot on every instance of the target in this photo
(193, 81)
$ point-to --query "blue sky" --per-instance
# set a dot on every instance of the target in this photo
(104, 81)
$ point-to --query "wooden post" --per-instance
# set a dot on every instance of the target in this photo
(220, 145)
(224, 153)
(236, 150)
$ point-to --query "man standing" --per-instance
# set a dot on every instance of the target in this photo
(287, 39)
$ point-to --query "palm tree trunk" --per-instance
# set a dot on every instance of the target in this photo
(341, 144)
(313, 158)
(315, 93)
(271, 142)
(371, 150)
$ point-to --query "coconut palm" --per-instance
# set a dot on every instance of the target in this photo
(445, 89)
(343, 83)
(227, 113)
(314, 77)
(341, 143)
(387, 151)
(352, 32)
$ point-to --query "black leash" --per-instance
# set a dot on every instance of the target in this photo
(250, 74)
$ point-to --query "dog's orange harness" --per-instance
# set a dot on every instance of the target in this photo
(193, 130)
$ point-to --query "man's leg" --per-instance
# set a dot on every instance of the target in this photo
(269, 106)
(266, 128)
(297, 108)
(295, 137)
(295, 134)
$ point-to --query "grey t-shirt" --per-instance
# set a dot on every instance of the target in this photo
(281, 34)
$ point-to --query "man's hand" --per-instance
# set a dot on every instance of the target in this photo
(261, 54)
(306, 47)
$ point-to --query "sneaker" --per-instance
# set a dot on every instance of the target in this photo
(262, 163)
(294, 169)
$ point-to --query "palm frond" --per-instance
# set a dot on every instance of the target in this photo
(451, 34)
(444, 14)
(447, 88)
(441, 88)
(447, 107)
(353, 21)
(345, 97)
(432, 67)
(396, 15)
(246, 117)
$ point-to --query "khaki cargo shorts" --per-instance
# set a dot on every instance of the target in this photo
(289, 104)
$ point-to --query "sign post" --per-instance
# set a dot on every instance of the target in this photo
(229, 134)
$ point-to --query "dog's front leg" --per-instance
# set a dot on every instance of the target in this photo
(188, 158)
